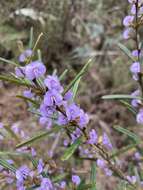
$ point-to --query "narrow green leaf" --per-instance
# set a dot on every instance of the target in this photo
(63, 74)
(34, 102)
(6, 165)
(15, 80)
(31, 38)
(75, 88)
(33, 187)
(126, 51)
(8, 61)
(130, 134)
(84, 186)
(93, 176)
(79, 75)
(123, 150)
(6, 153)
(69, 151)
(129, 106)
(34, 161)
(39, 54)
(12, 134)
(59, 177)
(120, 96)
(38, 137)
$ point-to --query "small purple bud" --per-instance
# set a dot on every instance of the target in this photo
(93, 137)
(27, 53)
(128, 20)
(139, 117)
(76, 179)
(106, 142)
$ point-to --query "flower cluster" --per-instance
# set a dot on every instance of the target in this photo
(132, 23)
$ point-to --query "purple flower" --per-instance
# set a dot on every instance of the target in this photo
(15, 129)
(101, 163)
(135, 53)
(135, 102)
(83, 119)
(46, 184)
(72, 112)
(1, 125)
(76, 179)
(93, 137)
(128, 33)
(63, 184)
(132, 1)
(128, 20)
(139, 117)
(27, 53)
(62, 120)
(137, 156)
(106, 142)
(133, 9)
(52, 82)
(35, 70)
(132, 179)
(33, 152)
(46, 111)
(9, 180)
(52, 98)
(22, 173)
(68, 96)
(45, 122)
(28, 94)
(108, 172)
(20, 185)
(20, 72)
(135, 67)
(77, 133)
(40, 166)
(141, 10)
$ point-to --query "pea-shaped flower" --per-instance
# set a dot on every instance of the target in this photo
(52, 82)
(76, 179)
(139, 117)
(27, 53)
(35, 70)
(128, 20)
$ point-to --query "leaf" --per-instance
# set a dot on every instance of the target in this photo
(34, 161)
(59, 177)
(130, 134)
(75, 88)
(70, 150)
(15, 80)
(126, 51)
(123, 150)
(84, 186)
(120, 96)
(93, 176)
(8, 61)
(3, 153)
(12, 134)
(63, 74)
(33, 187)
(31, 38)
(29, 100)
(79, 75)
(6, 165)
(129, 107)
(38, 137)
